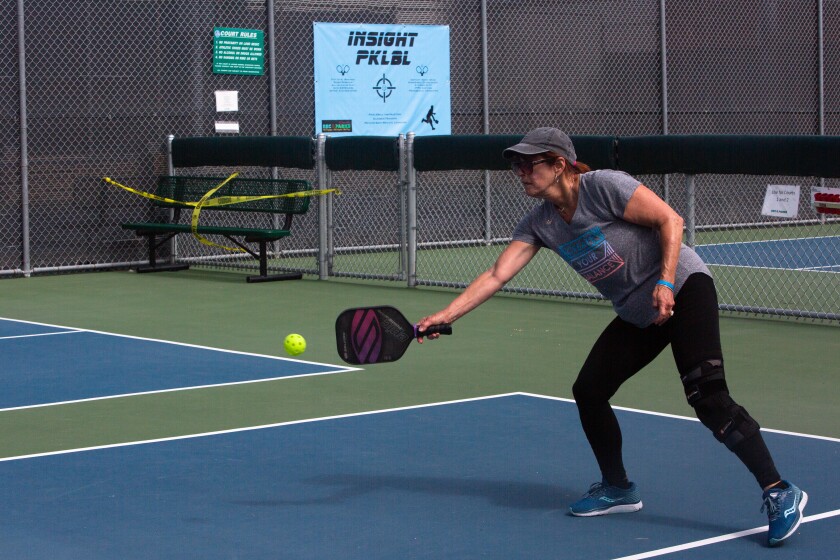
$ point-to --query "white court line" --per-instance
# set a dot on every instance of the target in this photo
(678, 417)
(338, 369)
(38, 334)
(759, 241)
(172, 342)
(818, 268)
(806, 269)
(173, 390)
(366, 413)
(252, 428)
(722, 538)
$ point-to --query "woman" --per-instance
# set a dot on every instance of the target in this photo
(627, 243)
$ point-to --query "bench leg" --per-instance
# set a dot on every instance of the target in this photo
(264, 277)
(153, 266)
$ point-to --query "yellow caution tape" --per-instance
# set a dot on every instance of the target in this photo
(146, 194)
(197, 211)
(228, 200)
(206, 202)
(223, 200)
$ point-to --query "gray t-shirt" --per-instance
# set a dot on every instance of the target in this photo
(621, 259)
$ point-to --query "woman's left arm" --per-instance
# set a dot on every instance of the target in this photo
(647, 209)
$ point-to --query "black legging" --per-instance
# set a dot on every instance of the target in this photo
(623, 349)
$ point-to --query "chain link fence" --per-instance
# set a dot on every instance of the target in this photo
(107, 81)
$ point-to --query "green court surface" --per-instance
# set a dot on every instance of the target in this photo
(785, 373)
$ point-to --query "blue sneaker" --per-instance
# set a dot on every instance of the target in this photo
(784, 510)
(602, 499)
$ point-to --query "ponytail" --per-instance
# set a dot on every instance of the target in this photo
(577, 167)
(581, 167)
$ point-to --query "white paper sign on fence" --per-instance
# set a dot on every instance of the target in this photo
(781, 201)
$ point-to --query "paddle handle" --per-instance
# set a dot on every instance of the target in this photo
(445, 328)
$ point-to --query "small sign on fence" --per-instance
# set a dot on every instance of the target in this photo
(781, 201)
(227, 101)
(238, 51)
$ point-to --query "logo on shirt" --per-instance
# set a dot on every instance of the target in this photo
(591, 255)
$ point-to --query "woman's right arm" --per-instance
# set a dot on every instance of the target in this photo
(510, 262)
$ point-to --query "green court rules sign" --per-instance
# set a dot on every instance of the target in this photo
(238, 51)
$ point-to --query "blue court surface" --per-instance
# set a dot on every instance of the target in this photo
(44, 364)
(813, 253)
(484, 478)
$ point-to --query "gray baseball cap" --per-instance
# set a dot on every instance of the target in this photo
(541, 140)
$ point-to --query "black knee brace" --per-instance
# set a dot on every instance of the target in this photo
(706, 391)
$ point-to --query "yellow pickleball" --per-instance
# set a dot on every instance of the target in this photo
(294, 344)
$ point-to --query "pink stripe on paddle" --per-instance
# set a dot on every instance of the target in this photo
(366, 335)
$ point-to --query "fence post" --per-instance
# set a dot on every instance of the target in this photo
(402, 184)
(272, 74)
(690, 223)
(170, 165)
(663, 36)
(411, 175)
(170, 170)
(272, 103)
(26, 263)
(821, 81)
(324, 210)
(488, 220)
(485, 96)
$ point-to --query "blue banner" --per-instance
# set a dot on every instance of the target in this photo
(381, 80)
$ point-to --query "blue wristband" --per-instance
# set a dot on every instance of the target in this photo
(666, 284)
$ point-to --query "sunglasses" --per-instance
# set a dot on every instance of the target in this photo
(526, 167)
